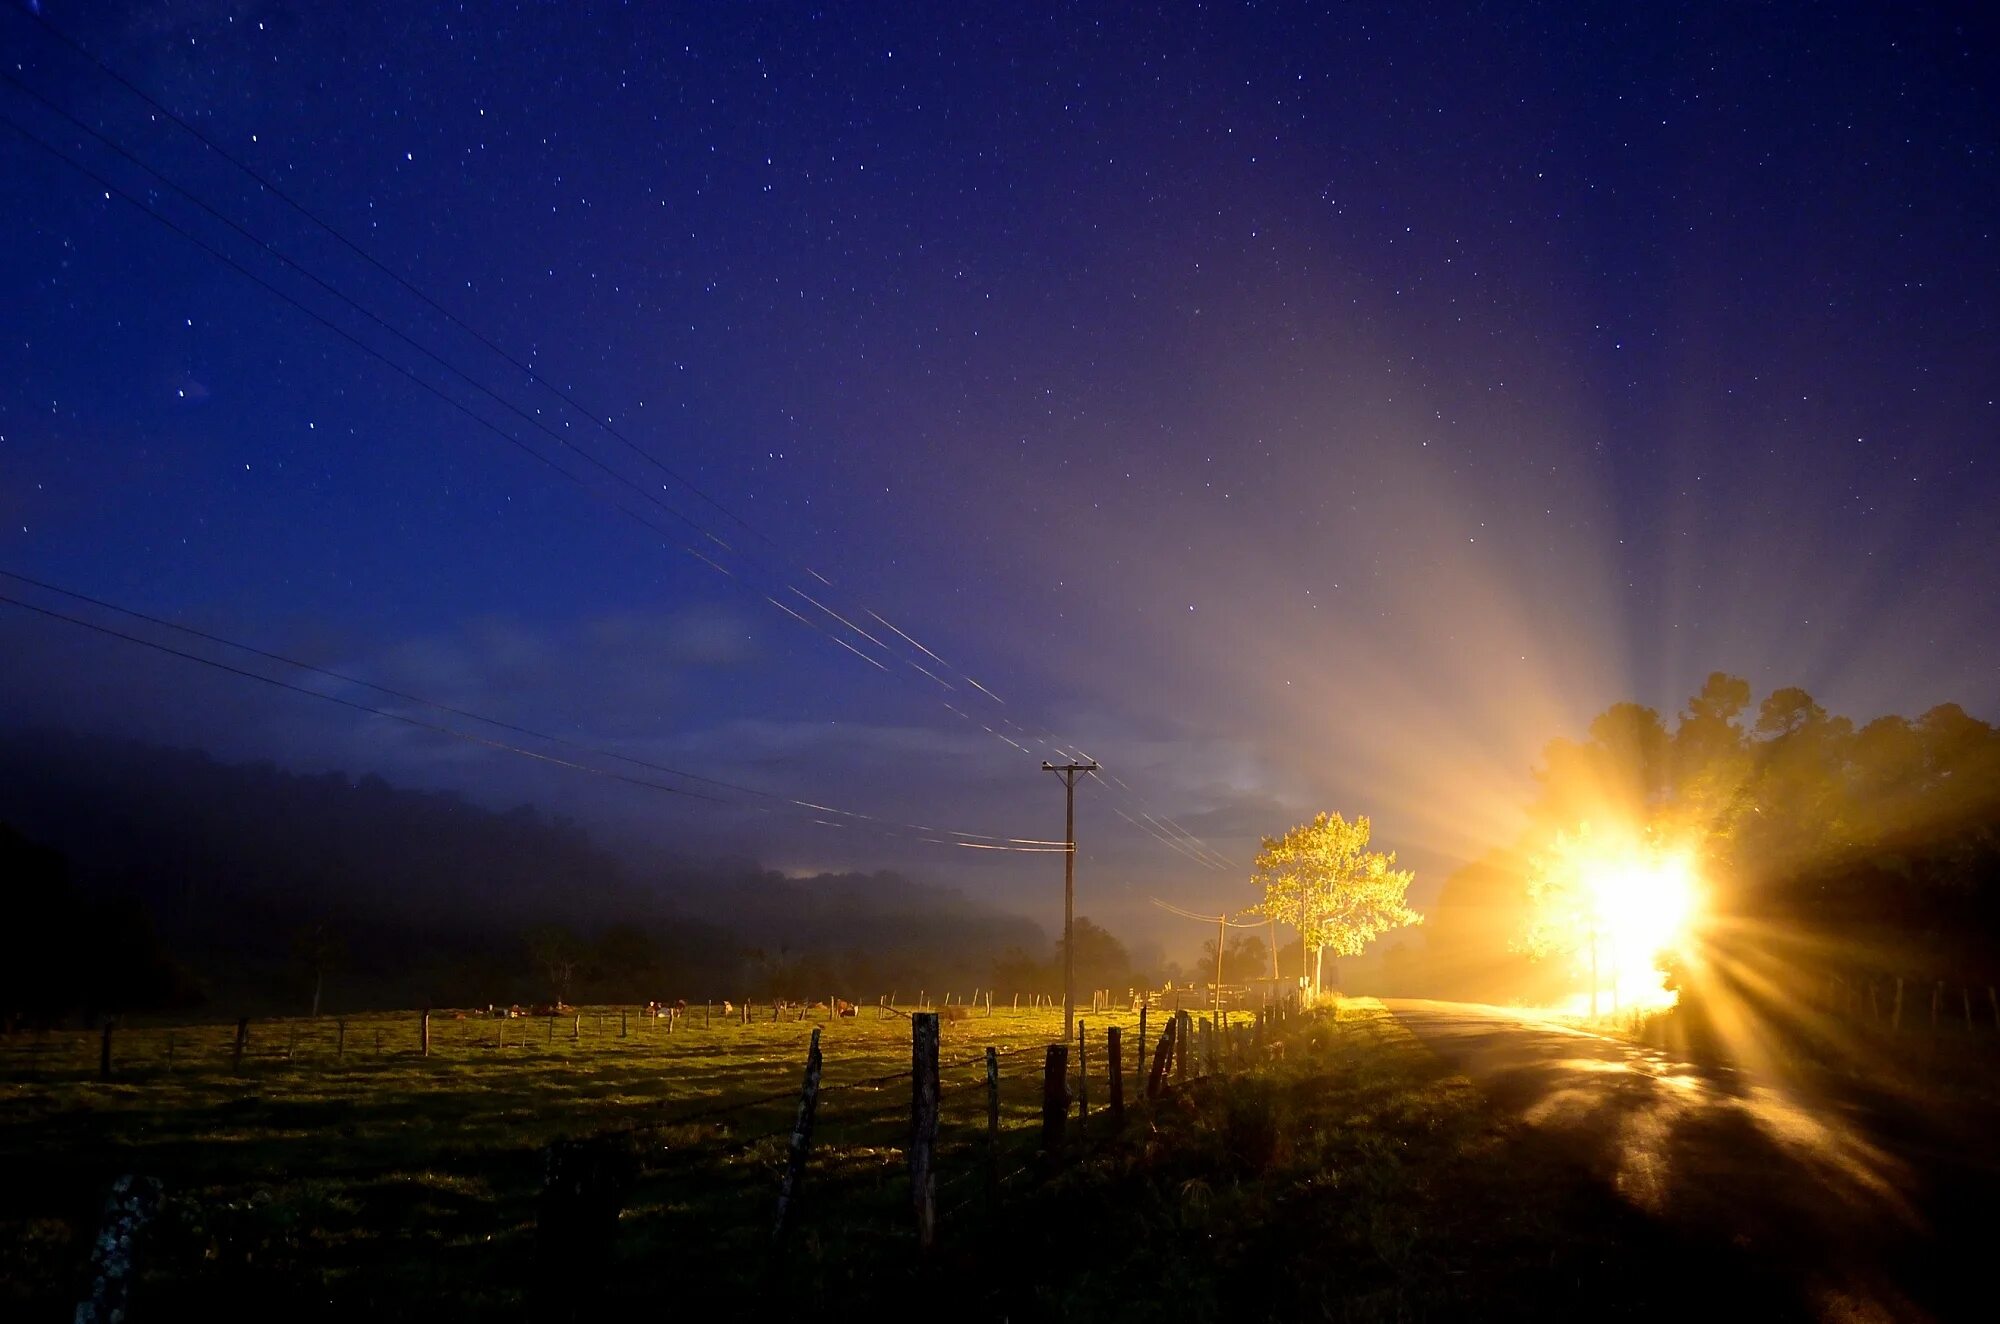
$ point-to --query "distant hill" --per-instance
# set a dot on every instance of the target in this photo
(244, 869)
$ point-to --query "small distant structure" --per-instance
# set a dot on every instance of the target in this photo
(1208, 996)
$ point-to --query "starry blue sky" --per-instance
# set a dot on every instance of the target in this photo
(1291, 407)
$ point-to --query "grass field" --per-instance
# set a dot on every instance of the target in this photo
(375, 1168)
(1351, 1178)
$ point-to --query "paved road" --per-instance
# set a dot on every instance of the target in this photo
(1818, 1195)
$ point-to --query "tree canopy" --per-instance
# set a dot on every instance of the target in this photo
(1321, 878)
(1823, 844)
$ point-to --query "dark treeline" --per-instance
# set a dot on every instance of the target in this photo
(138, 878)
(1830, 849)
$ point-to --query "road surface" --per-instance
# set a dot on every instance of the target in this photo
(1862, 1216)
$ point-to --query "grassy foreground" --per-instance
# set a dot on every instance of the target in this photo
(1353, 1178)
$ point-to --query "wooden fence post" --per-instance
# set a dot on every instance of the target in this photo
(113, 1257)
(104, 1052)
(1114, 1062)
(1141, 1058)
(1082, 1077)
(552, 1029)
(924, 1124)
(1182, 1033)
(802, 1129)
(992, 1125)
(1163, 1055)
(1055, 1097)
(424, 1033)
(242, 1042)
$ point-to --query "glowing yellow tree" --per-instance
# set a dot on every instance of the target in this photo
(1321, 878)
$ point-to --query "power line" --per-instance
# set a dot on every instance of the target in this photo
(405, 718)
(1223, 923)
(270, 186)
(355, 304)
(1171, 834)
(371, 351)
(982, 841)
(111, 188)
(1223, 918)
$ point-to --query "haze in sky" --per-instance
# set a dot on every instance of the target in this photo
(1292, 410)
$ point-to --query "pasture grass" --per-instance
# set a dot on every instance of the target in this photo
(379, 1172)
(1353, 1178)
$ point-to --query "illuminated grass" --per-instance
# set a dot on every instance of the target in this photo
(369, 1162)
(1355, 1178)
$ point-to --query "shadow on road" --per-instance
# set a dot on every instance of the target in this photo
(1841, 1210)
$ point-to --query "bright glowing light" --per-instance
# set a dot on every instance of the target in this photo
(1642, 902)
(1614, 906)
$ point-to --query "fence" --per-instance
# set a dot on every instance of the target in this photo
(908, 1153)
(1843, 1019)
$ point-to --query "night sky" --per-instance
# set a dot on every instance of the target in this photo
(1290, 409)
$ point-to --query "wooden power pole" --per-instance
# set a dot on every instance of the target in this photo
(1069, 772)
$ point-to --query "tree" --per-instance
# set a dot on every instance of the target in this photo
(1562, 906)
(558, 954)
(1015, 972)
(318, 947)
(626, 962)
(1321, 878)
(1101, 960)
(1244, 957)
(62, 951)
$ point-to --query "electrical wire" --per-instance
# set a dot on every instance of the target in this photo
(1170, 833)
(884, 826)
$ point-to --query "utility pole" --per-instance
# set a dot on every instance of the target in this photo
(1223, 924)
(1221, 936)
(1069, 772)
